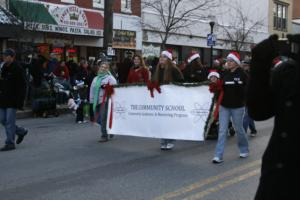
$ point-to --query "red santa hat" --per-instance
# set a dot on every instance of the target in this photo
(213, 73)
(277, 62)
(235, 56)
(193, 56)
(168, 53)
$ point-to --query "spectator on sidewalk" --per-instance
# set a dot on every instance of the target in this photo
(138, 73)
(166, 72)
(98, 90)
(12, 96)
(274, 91)
(62, 71)
(90, 78)
(232, 105)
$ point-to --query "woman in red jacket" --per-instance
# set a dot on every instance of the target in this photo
(138, 73)
(62, 71)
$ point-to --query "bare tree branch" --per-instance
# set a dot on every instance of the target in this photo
(176, 15)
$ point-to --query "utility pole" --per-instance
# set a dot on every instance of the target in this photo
(212, 24)
(108, 24)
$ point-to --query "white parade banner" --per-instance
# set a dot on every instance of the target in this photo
(178, 112)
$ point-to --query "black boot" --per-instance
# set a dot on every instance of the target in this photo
(8, 147)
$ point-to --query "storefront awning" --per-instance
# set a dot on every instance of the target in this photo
(9, 24)
(68, 19)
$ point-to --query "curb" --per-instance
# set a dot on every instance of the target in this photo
(27, 113)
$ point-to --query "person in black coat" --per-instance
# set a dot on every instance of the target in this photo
(12, 96)
(276, 93)
(194, 71)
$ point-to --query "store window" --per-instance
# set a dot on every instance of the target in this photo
(126, 6)
(280, 15)
(68, 1)
(98, 4)
(58, 53)
(71, 54)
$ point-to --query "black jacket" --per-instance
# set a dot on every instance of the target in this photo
(234, 86)
(194, 75)
(276, 93)
(12, 86)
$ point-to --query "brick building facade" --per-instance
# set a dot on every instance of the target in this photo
(73, 29)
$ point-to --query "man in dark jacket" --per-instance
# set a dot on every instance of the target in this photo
(276, 92)
(12, 95)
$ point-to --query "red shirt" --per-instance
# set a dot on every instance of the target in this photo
(139, 75)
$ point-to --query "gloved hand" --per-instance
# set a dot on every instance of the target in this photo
(267, 50)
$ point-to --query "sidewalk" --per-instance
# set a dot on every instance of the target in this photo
(27, 112)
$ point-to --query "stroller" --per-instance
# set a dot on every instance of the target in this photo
(44, 99)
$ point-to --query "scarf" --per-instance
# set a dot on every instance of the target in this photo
(100, 78)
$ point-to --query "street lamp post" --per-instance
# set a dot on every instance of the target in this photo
(212, 24)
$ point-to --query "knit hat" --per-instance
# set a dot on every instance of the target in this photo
(168, 53)
(213, 73)
(235, 56)
(193, 56)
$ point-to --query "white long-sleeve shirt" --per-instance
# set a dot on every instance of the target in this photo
(109, 79)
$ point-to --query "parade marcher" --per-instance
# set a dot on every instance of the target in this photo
(101, 82)
(275, 92)
(248, 122)
(194, 70)
(167, 72)
(232, 105)
(138, 73)
(12, 95)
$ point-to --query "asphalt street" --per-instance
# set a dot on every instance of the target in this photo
(61, 160)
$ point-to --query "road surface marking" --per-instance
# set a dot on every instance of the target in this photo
(223, 185)
(207, 181)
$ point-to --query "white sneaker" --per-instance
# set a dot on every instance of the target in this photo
(163, 147)
(244, 155)
(217, 160)
(79, 122)
(170, 146)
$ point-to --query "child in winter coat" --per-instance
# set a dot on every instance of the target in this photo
(97, 92)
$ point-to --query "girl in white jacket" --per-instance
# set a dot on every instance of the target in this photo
(97, 91)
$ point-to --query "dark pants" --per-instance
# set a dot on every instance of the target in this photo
(8, 120)
(248, 122)
(79, 112)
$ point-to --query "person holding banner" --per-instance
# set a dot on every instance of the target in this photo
(99, 97)
(231, 104)
(138, 73)
(166, 72)
(194, 71)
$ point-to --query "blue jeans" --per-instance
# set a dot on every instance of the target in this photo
(8, 120)
(237, 115)
(248, 122)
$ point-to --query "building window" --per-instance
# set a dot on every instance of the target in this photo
(280, 14)
(68, 1)
(98, 3)
(126, 6)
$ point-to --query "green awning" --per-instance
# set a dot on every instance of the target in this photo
(31, 12)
